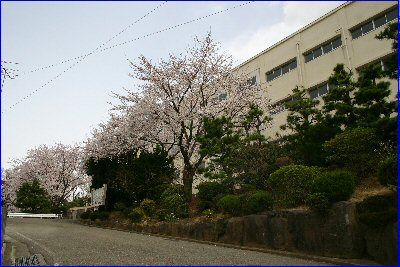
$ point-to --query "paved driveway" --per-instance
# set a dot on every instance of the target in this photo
(66, 243)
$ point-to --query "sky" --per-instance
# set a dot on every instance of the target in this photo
(65, 102)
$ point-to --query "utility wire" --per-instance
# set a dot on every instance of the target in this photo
(120, 44)
(85, 56)
(92, 52)
(141, 37)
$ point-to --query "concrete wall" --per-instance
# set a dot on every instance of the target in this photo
(352, 53)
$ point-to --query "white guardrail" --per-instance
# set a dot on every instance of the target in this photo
(32, 215)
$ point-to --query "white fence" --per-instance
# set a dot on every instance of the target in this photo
(32, 215)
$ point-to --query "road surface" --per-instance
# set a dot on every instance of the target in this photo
(65, 243)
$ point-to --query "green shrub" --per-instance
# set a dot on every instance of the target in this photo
(208, 213)
(336, 185)
(355, 149)
(290, 185)
(126, 212)
(85, 215)
(148, 206)
(318, 202)
(230, 204)
(378, 211)
(136, 215)
(170, 217)
(387, 171)
(208, 192)
(93, 215)
(256, 202)
(173, 189)
(175, 204)
(103, 215)
(119, 206)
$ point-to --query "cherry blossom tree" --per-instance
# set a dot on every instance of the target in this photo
(176, 94)
(58, 168)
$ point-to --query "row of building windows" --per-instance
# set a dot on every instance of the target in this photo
(373, 24)
(323, 49)
(319, 91)
(333, 44)
(285, 68)
(316, 92)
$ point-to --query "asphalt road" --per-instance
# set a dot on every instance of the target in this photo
(65, 243)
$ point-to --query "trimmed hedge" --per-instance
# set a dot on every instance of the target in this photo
(256, 202)
(230, 204)
(336, 185)
(291, 185)
(209, 193)
(387, 171)
(355, 149)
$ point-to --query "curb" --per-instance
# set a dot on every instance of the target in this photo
(336, 261)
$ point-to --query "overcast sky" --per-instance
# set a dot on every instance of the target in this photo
(38, 34)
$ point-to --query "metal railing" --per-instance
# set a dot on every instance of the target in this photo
(32, 215)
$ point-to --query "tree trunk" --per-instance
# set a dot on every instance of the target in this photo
(188, 174)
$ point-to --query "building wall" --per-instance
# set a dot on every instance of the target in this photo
(353, 53)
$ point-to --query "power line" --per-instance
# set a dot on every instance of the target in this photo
(141, 37)
(81, 58)
(104, 43)
(7, 72)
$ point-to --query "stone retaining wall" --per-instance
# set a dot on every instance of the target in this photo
(338, 234)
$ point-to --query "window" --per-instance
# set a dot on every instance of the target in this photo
(373, 24)
(323, 49)
(327, 48)
(252, 80)
(309, 56)
(281, 105)
(319, 91)
(285, 68)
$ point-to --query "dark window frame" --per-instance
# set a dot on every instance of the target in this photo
(321, 47)
(278, 71)
(372, 21)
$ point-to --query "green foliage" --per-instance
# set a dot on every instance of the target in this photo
(103, 215)
(148, 206)
(255, 162)
(119, 206)
(136, 215)
(208, 194)
(378, 211)
(290, 185)
(209, 213)
(308, 131)
(355, 149)
(337, 185)
(230, 204)
(318, 202)
(391, 33)
(32, 198)
(173, 189)
(93, 216)
(85, 215)
(238, 152)
(256, 202)
(387, 171)
(133, 176)
(339, 104)
(174, 203)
